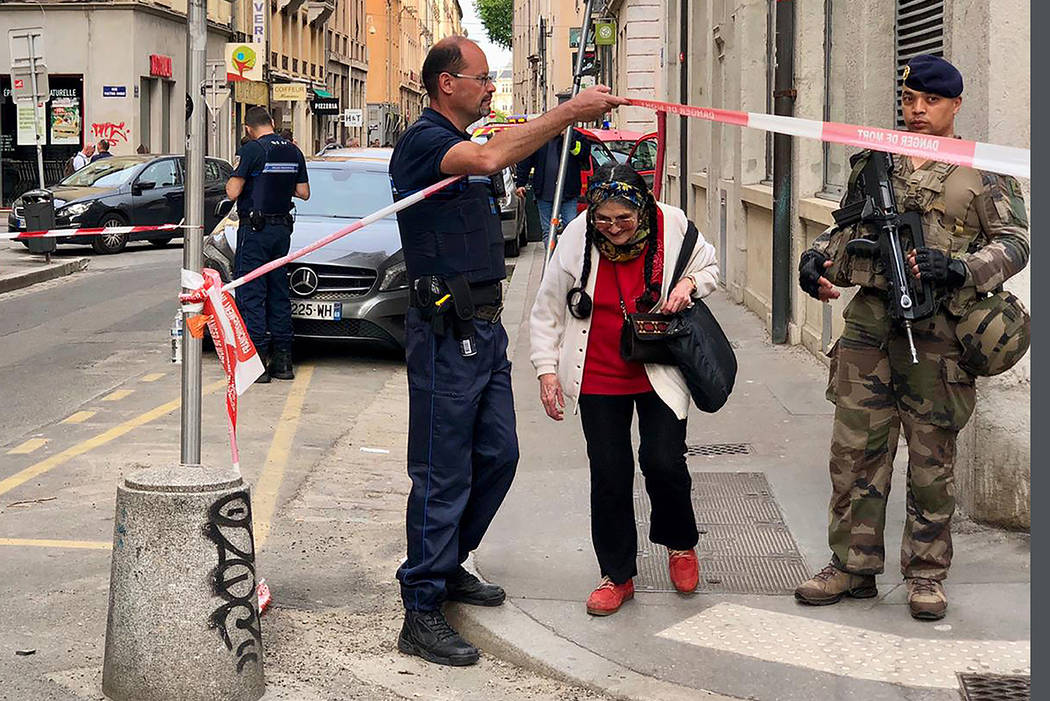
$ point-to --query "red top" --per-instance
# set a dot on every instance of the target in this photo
(604, 369)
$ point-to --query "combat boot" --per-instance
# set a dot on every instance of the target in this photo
(926, 599)
(465, 588)
(281, 364)
(831, 584)
(428, 634)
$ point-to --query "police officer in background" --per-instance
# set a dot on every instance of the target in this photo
(270, 172)
(462, 445)
(976, 235)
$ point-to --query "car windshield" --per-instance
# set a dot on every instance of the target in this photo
(600, 154)
(619, 146)
(107, 172)
(345, 192)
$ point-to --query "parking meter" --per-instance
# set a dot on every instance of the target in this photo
(39, 211)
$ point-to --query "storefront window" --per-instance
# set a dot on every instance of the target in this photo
(63, 129)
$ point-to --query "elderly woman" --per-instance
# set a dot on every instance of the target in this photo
(618, 258)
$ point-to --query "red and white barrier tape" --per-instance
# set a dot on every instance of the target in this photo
(1007, 160)
(240, 361)
(55, 233)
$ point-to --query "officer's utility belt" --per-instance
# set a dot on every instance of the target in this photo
(453, 304)
(259, 220)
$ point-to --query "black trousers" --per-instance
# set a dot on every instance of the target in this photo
(661, 456)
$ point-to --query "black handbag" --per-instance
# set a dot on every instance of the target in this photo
(643, 336)
(699, 345)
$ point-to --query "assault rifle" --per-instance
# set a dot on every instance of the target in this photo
(897, 233)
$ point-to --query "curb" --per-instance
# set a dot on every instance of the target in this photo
(42, 274)
(512, 635)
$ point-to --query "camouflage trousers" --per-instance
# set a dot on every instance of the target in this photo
(877, 390)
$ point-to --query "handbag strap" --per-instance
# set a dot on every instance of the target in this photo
(688, 244)
(619, 292)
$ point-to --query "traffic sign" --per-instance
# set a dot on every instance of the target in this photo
(27, 58)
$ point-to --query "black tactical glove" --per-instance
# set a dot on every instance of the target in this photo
(810, 270)
(939, 268)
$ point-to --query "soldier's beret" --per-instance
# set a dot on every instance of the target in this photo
(933, 74)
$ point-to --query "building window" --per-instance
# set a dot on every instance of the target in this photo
(919, 30)
(771, 60)
(836, 159)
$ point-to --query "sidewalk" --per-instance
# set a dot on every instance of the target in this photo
(742, 635)
(19, 268)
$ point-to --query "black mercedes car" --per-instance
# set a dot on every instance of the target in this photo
(128, 190)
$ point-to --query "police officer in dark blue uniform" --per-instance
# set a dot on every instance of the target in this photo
(462, 446)
(271, 171)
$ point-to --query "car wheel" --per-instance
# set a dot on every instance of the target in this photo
(161, 243)
(111, 242)
(512, 248)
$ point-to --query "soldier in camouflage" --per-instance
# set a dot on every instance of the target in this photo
(976, 233)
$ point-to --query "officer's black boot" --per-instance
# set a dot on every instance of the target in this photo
(281, 364)
(465, 588)
(264, 378)
(428, 634)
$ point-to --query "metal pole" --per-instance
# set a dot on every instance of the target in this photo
(196, 49)
(783, 104)
(661, 139)
(567, 137)
(683, 96)
(36, 110)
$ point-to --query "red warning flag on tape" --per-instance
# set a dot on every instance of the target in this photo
(240, 361)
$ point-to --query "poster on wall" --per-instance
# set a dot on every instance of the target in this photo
(24, 121)
(65, 122)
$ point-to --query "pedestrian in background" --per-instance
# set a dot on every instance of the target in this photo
(103, 151)
(541, 168)
(83, 157)
(976, 234)
(462, 441)
(271, 171)
(615, 259)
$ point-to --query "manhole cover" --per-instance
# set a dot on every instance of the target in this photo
(719, 449)
(745, 546)
(996, 687)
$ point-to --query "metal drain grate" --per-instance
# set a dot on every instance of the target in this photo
(745, 546)
(996, 687)
(719, 449)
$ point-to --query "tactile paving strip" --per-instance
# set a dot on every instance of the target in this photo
(996, 687)
(745, 546)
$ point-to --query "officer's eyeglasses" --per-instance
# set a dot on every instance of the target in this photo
(624, 221)
(485, 80)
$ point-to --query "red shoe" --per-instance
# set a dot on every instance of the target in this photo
(609, 597)
(685, 569)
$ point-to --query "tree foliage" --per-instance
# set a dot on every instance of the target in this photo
(498, 18)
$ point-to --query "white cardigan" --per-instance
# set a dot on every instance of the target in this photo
(559, 340)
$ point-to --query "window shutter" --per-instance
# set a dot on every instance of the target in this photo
(920, 30)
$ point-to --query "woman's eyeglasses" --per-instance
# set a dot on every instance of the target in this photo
(623, 221)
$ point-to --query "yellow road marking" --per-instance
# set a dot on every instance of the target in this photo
(79, 417)
(101, 439)
(38, 543)
(27, 447)
(118, 395)
(265, 491)
(153, 376)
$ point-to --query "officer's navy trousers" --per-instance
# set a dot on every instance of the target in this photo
(462, 451)
(264, 302)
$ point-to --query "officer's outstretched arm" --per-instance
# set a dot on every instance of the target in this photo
(511, 145)
(234, 187)
(302, 191)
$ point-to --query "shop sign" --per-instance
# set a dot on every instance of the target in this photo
(250, 92)
(605, 33)
(245, 61)
(289, 92)
(325, 105)
(354, 117)
(114, 91)
(160, 66)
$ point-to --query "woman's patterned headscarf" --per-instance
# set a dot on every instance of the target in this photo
(632, 196)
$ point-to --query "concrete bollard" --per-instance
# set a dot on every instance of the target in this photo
(183, 613)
